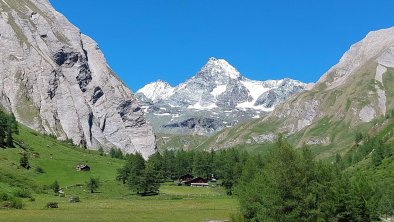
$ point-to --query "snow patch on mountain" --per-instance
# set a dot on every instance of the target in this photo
(256, 88)
(157, 90)
(219, 90)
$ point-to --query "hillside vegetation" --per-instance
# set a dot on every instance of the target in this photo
(51, 160)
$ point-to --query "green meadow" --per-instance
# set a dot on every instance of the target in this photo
(111, 202)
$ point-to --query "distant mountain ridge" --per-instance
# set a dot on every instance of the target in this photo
(350, 97)
(217, 96)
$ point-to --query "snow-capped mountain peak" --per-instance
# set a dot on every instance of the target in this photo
(217, 96)
(219, 67)
(156, 91)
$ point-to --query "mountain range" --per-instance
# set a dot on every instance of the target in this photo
(218, 96)
(354, 96)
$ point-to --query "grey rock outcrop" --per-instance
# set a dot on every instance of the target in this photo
(56, 80)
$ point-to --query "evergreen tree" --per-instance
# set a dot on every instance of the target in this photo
(149, 181)
(169, 164)
(24, 161)
(156, 162)
(137, 170)
(55, 187)
(93, 184)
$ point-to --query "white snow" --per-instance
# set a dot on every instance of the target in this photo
(219, 90)
(200, 107)
(162, 114)
(157, 90)
(255, 88)
(221, 66)
(250, 105)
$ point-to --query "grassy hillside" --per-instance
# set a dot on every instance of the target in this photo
(336, 116)
(112, 201)
(177, 142)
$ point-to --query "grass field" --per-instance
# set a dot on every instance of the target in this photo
(183, 206)
(112, 201)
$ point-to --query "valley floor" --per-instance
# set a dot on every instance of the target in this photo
(113, 201)
(176, 207)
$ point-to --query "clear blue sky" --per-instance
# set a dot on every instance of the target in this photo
(146, 40)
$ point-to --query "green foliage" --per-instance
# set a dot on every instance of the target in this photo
(55, 187)
(10, 201)
(22, 193)
(358, 138)
(8, 127)
(24, 161)
(142, 177)
(93, 184)
(292, 186)
(116, 153)
(40, 170)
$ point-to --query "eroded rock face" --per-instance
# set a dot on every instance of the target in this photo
(56, 80)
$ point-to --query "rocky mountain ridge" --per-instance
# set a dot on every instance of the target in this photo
(218, 96)
(57, 81)
(349, 98)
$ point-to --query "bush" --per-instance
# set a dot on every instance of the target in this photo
(52, 205)
(24, 161)
(40, 170)
(74, 199)
(22, 193)
(9, 201)
(32, 199)
(16, 203)
(4, 197)
(55, 187)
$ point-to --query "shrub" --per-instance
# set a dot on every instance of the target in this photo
(40, 170)
(24, 161)
(22, 193)
(9, 201)
(4, 197)
(52, 205)
(32, 199)
(55, 187)
(16, 203)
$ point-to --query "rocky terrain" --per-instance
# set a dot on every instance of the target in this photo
(348, 98)
(218, 96)
(56, 80)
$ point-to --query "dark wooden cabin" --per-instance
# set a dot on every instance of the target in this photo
(197, 182)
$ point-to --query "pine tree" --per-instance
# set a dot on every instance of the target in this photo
(93, 184)
(137, 170)
(24, 161)
(55, 187)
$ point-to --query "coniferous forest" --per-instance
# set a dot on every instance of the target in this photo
(285, 184)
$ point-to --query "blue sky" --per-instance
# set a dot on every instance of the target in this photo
(146, 40)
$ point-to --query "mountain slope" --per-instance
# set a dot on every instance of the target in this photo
(56, 80)
(217, 96)
(349, 98)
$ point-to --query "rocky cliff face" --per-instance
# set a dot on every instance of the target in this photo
(218, 96)
(56, 80)
(350, 97)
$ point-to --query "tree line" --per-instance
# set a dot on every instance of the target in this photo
(292, 186)
(8, 127)
(286, 184)
(144, 176)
